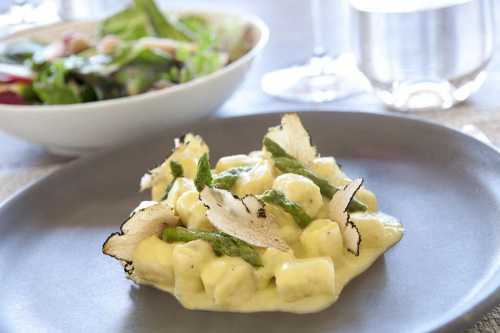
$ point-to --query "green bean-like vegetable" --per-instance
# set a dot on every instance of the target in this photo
(176, 169)
(279, 199)
(288, 164)
(204, 174)
(275, 149)
(222, 243)
(226, 179)
(177, 172)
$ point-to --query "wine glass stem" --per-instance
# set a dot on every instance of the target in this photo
(317, 29)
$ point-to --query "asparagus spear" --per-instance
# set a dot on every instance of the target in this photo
(275, 149)
(279, 199)
(226, 179)
(222, 243)
(288, 164)
(177, 172)
(204, 174)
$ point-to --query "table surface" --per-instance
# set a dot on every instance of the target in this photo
(289, 21)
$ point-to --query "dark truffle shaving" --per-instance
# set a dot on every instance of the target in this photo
(351, 224)
(339, 207)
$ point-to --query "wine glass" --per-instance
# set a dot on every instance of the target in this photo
(321, 78)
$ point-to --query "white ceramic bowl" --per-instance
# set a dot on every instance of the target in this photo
(82, 128)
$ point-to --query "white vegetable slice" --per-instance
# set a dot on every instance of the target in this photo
(148, 219)
(293, 138)
(189, 145)
(338, 213)
(245, 218)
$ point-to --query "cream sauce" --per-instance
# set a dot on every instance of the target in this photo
(268, 298)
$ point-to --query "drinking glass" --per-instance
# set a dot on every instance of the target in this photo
(321, 78)
(426, 54)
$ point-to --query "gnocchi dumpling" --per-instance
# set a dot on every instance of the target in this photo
(287, 228)
(255, 181)
(234, 161)
(189, 259)
(327, 168)
(370, 228)
(300, 190)
(271, 260)
(301, 278)
(192, 211)
(229, 280)
(323, 238)
(180, 186)
(153, 261)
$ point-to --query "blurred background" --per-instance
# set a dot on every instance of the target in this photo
(291, 42)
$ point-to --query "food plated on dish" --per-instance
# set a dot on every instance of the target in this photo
(75, 129)
(137, 50)
(279, 229)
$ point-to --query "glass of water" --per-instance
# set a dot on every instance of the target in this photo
(426, 54)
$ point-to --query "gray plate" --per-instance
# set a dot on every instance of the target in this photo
(443, 185)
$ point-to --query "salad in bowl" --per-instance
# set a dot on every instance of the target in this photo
(137, 50)
(77, 87)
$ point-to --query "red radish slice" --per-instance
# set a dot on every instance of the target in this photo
(10, 97)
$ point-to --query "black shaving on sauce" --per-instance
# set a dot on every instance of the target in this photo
(350, 223)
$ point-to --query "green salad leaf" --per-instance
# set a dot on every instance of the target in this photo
(132, 66)
(51, 86)
(129, 24)
(141, 19)
(140, 69)
(161, 25)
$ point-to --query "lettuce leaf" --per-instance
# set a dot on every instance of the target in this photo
(129, 24)
(162, 26)
(51, 87)
(141, 19)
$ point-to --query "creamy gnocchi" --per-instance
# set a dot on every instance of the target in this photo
(280, 229)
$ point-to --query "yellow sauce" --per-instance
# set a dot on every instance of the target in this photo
(247, 295)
